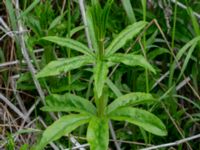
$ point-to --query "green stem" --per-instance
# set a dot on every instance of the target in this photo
(101, 106)
(101, 101)
(174, 25)
(144, 3)
(172, 44)
(68, 50)
(101, 49)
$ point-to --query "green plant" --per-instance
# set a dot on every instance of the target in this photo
(102, 58)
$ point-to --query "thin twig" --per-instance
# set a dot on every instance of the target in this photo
(63, 6)
(175, 124)
(13, 107)
(185, 7)
(76, 143)
(4, 24)
(173, 143)
(18, 97)
(182, 83)
(78, 147)
(12, 33)
(26, 56)
(5, 64)
(114, 136)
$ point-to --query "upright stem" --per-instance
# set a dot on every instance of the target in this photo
(101, 100)
(144, 43)
(172, 44)
(101, 106)
(101, 49)
(68, 50)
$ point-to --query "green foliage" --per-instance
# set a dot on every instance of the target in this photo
(61, 127)
(67, 103)
(70, 43)
(10, 143)
(98, 133)
(134, 48)
(131, 99)
(125, 35)
(98, 116)
(141, 118)
(129, 11)
(100, 76)
(131, 60)
(63, 65)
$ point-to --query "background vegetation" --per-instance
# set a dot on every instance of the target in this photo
(170, 42)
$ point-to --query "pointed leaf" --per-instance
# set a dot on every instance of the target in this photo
(61, 127)
(159, 51)
(188, 57)
(31, 7)
(113, 87)
(179, 55)
(129, 10)
(131, 60)
(63, 65)
(125, 35)
(130, 99)
(98, 134)
(91, 29)
(68, 102)
(70, 43)
(100, 75)
(56, 21)
(141, 118)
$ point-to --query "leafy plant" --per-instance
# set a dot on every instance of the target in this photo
(102, 58)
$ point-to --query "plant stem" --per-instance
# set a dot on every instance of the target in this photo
(172, 44)
(101, 49)
(144, 3)
(101, 106)
(68, 50)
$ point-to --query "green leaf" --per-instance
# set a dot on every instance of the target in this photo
(63, 65)
(186, 61)
(98, 134)
(179, 55)
(75, 30)
(100, 75)
(131, 60)
(129, 10)
(70, 43)
(130, 99)
(194, 21)
(12, 14)
(56, 21)
(159, 51)
(24, 147)
(61, 127)
(113, 87)
(31, 7)
(91, 29)
(68, 102)
(125, 35)
(141, 118)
